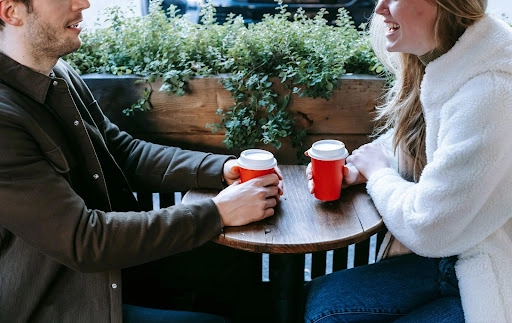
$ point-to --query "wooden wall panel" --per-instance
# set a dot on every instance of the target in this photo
(181, 120)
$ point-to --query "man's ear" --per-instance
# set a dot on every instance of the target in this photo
(10, 12)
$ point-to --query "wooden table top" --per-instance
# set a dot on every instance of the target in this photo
(301, 223)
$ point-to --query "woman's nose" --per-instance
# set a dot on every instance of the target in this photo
(382, 7)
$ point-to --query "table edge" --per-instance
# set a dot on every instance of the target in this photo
(305, 248)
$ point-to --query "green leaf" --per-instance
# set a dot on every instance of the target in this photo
(306, 55)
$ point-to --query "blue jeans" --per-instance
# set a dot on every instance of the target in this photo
(407, 288)
(137, 314)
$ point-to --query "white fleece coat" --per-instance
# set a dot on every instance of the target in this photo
(462, 204)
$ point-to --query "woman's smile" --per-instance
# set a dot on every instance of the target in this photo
(409, 25)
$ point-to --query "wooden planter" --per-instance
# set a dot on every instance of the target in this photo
(181, 120)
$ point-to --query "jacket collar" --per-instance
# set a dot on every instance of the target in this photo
(483, 48)
(24, 79)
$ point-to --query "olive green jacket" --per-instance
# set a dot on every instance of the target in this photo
(68, 217)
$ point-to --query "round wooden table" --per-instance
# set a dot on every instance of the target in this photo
(300, 225)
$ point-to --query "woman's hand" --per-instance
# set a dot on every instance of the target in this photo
(351, 176)
(309, 175)
(363, 162)
(368, 159)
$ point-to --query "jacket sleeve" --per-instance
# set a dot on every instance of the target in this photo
(462, 196)
(148, 166)
(157, 168)
(386, 140)
(41, 208)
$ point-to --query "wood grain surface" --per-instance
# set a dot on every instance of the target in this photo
(303, 224)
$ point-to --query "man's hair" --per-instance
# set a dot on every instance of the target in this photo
(27, 3)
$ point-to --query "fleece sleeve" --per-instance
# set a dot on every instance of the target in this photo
(463, 193)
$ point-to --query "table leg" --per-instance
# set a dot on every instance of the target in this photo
(286, 273)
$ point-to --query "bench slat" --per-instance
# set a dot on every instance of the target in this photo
(341, 258)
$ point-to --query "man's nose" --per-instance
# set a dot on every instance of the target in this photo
(79, 5)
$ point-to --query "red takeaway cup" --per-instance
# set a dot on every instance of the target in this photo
(327, 161)
(254, 163)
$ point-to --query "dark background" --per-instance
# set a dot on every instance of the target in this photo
(253, 10)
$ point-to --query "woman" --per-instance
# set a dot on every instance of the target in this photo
(441, 175)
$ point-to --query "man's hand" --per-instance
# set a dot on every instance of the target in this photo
(231, 174)
(231, 171)
(254, 200)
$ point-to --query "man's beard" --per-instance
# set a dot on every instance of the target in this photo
(44, 42)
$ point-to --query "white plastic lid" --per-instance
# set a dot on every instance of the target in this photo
(328, 150)
(257, 159)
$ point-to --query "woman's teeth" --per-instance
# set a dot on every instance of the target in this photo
(394, 26)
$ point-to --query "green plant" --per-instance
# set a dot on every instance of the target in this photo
(305, 55)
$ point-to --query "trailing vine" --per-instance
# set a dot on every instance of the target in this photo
(305, 56)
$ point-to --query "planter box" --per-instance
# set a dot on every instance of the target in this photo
(181, 120)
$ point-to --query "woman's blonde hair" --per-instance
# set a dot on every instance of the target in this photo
(402, 109)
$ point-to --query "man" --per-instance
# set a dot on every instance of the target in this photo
(69, 221)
